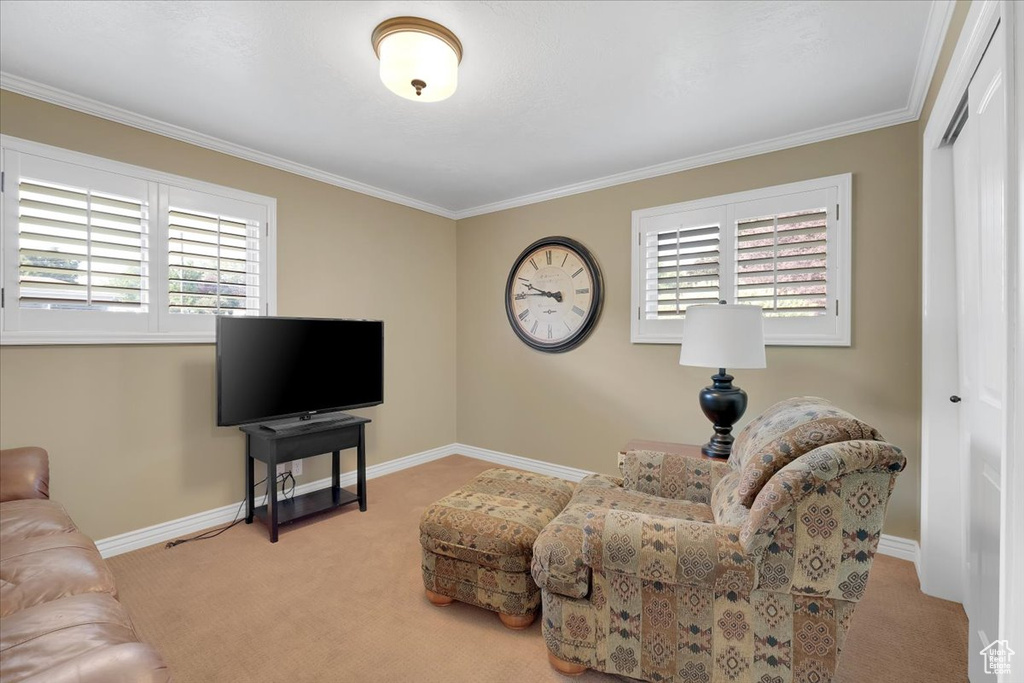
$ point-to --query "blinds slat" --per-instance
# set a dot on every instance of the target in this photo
(31, 207)
(61, 256)
(792, 258)
(39, 301)
(792, 298)
(48, 224)
(819, 216)
(223, 259)
(205, 237)
(681, 245)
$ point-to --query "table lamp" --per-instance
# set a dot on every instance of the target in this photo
(723, 336)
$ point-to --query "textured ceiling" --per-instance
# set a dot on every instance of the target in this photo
(551, 94)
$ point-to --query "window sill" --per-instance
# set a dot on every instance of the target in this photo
(80, 338)
(775, 340)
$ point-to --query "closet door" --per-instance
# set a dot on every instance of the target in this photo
(980, 185)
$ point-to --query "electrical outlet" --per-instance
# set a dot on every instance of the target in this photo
(295, 467)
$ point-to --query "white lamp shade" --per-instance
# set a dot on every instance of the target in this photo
(723, 336)
(407, 56)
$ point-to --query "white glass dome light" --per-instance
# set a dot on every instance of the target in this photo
(419, 59)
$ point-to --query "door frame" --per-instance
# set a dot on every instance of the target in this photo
(942, 514)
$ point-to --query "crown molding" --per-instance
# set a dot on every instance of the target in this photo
(63, 98)
(838, 130)
(939, 15)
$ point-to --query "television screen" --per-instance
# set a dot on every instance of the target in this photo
(282, 367)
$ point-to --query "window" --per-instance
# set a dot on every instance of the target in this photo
(95, 251)
(784, 248)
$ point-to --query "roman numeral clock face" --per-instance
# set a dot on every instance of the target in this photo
(554, 293)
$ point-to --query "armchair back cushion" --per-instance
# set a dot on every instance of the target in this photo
(783, 433)
(817, 523)
(671, 475)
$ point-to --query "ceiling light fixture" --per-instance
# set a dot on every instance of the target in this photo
(419, 59)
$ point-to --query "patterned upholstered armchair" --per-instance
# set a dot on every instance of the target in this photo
(689, 569)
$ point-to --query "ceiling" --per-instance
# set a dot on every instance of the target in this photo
(553, 98)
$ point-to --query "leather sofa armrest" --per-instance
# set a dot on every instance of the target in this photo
(124, 663)
(24, 473)
(674, 551)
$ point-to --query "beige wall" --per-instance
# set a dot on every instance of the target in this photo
(577, 408)
(130, 429)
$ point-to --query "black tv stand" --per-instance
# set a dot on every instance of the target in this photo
(305, 439)
(307, 422)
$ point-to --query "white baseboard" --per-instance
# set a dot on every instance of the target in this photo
(521, 463)
(902, 548)
(158, 533)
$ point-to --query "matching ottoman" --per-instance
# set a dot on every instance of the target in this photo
(478, 542)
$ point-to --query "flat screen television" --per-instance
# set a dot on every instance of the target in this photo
(275, 368)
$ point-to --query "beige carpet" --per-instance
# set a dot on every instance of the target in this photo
(339, 598)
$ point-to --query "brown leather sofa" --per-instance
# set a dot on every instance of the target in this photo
(60, 620)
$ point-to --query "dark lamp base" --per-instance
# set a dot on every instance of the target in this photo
(724, 405)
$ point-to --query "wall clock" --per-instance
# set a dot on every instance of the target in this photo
(554, 294)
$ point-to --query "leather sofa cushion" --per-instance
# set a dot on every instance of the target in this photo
(26, 474)
(33, 517)
(40, 569)
(124, 663)
(49, 634)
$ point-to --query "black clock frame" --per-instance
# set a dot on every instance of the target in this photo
(584, 330)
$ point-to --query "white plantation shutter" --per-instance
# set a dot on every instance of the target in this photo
(80, 248)
(680, 262)
(95, 251)
(215, 259)
(76, 247)
(781, 263)
(682, 270)
(213, 264)
(785, 249)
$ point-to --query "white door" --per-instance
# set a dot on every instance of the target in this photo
(979, 185)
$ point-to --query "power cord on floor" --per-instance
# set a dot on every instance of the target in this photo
(281, 479)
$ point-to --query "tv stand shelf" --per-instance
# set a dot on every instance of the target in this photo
(317, 438)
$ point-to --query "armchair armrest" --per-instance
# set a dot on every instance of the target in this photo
(24, 473)
(675, 551)
(681, 476)
(816, 524)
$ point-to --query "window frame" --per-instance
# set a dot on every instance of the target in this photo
(155, 329)
(839, 260)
